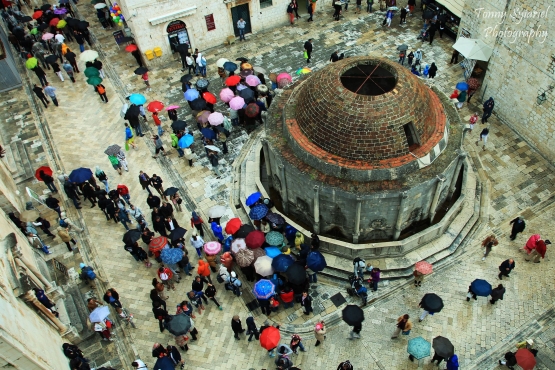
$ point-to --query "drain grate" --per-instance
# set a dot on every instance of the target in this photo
(338, 299)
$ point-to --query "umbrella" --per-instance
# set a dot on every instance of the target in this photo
(402, 47)
(83, 25)
(137, 99)
(131, 236)
(54, 22)
(246, 72)
(303, 71)
(94, 81)
(273, 77)
(252, 110)
(131, 48)
(100, 6)
(34, 31)
(525, 359)
(37, 14)
(87, 55)
(99, 314)
(263, 89)
(296, 274)
(45, 7)
(209, 97)
(226, 95)
(229, 66)
(157, 244)
(255, 239)
(42, 27)
(47, 171)
(242, 59)
(243, 231)
(431, 302)
(112, 149)
(25, 19)
(191, 94)
(233, 225)
(252, 81)
(264, 289)
(281, 262)
(80, 175)
(51, 59)
(163, 363)
(171, 191)
(208, 133)
(253, 198)
(91, 72)
(202, 83)
(269, 338)
(216, 211)
(155, 106)
(473, 49)
(237, 103)
(48, 36)
(352, 315)
(178, 324)
(316, 261)
(245, 66)
(29, 215)
(212, 248)
(220, 62)
(179, 125)
(259, 70)
(244, 257)
(272, 251)
(171, 255)
(428, 14)
(258, 211)
(185, 141)
(275, 218)
(31, 63)
(247, 94)
(61, 24)
(393, 8)
(462, 86)
(443, 347)
(284, 76)
(419, 348)
(198, 104)
(171, 107)
(202, 117)
(481, 287)
(186, 78)
(212, 148)
(60, 11)
(263, 266)
(232, 80)
(141, 71)
(237, 245)
(424, 267)
(274, 238)
(257, 253)
(177, 233)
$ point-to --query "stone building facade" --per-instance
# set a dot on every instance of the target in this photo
(520, 74)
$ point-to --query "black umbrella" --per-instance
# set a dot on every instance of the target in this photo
(26, 19)
(72, 22)
(179, 125)
(443, 347)
(83, 25)
(133, 111)
(431, 302)
(178, 324)
(428, 14)
(186, 78)
(402, 47)
(184, 87)
(198, 104)
(247, 94)
(131, 237)
(182, 48)
(141, 71)
(51, 59)
(171, 191)
(275, 218)
(177, 233)
(241, 59)
(353, 315)
(296, 273)
(45, 7)
(43, 26)
(243, 231)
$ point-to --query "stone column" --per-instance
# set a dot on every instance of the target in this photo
(356, 233)
(316, 210)
(30, 297)
(398, 224)
(462, 156)
(435, 200)
(284, 197)
(267, 160)
(36, 274)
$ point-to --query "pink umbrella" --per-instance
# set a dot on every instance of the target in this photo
(212, 248)
(202, 117)
(216, 119)
(252, 80)
(237, 103)
(172, 107)
(284, 75)
(226, 95)
(47, 36)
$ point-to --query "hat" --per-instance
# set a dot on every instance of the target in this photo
(530, 342)
(82, 265)
(547, 241)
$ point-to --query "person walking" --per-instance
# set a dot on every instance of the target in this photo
(306, 303)
(160, 314)
(505, 268)
(470, 294)
(63, 233)
(337, 9)
(158, 123)
(156, 182)
(237, 327)
(88, 193)
(51, 92)
(404, 12)
(432, 71)
(98, 65)
(483, 135)
(68, 223)
(473, 86)
(310, 10)
(201, 65)
(166, 275)
(197, 242)
(57, 70)
(53, 203)
(461, 99)
(432, 32)
(72, 193)
(214, 161)
(40, 94)
(489, 243)
(241, 27)
(418, 277)
(437, 358)
(290, 11)
(410, 57)
(44, 225)
(319, 332)
(454, 56)
(41, 75)
(112, 298)
(129, 138)
(308, 50)
(153, 201)
(114, 161)
(388, 18)
(101, 90)
(47, 179)
(69, 70)
(403, 325)
(252, 330)
(488, 109)
(497, 293)
(518, 226)
(296, 342)
(159, 146)
(101, 176)
(144, 180)
(345, 365)
(210, 292)
(355, 333)
(539, 251)
(375, 278)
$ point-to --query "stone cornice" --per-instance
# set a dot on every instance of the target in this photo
(173, 16)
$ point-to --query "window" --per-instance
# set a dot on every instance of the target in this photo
(413, 140)
(265, 3)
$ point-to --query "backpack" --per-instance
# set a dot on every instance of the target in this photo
(203, 62)
(89, 273)
(357, 260)
(100, 89)
(219, 278)
(235, 281)
(63, 223)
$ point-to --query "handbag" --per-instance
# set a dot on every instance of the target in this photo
(405, 332)
(305, 54)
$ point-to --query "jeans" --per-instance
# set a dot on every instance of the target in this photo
(288, 304)
(138, 130)
(402, 60)
(202, 70)
(42, 80)
(187, 269)
(369, 10)
(241, 34)
(124, 223)
(58, 210)
(51, 186)
(485, 116)
(374, 285)
(105, 182)
(160, 131)
(82, 47)
(103, 97)
(127, 198)
(424, 314)
(181, 152)
(75, 201)
(54, 100)
(313, 278)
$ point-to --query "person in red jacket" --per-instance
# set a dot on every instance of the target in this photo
(541, 248)
(166, 275)
(158, 123)
(287, 296)
(123, 192)
(204, 270)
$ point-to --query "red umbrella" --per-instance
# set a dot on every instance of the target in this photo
(524, 358)
(270, 338)
(131, 48)
(255, 239)
(45, 169)
(54, 21)
(232, 80)
(37, 14)
(252, 110)
(157, 244)
(155, 106)
(209, 97)
(232, 226)
(424, 267)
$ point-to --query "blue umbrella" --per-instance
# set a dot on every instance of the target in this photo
(462, 86)
(80, 175)
(272, 252)
(481, 287)
(281, 262)
(253, 198)
(164, 363)
(230, 66)
(419, 348)
(185, 141)
(137, 99)
(316, 261)
(208, 133)
(191, 94)
(171, 255)
(258, 211)
(264, 289)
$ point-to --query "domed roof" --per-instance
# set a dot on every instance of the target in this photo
(368, 109)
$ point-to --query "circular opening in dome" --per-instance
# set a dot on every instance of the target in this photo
(368, 79)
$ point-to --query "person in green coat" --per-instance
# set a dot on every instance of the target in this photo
(461, 98)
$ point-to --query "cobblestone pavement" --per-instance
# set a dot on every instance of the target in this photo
(521, 182)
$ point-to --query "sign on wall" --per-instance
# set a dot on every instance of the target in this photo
(210, 24)
(119, 37)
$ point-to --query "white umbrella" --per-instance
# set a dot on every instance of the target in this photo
(263, 266)
(88, 56)
(216, 211)
(213, 148)
(99, 314)
(473, 49)
(237, 245)
(220, 62)
(100, 6)
(259, 70)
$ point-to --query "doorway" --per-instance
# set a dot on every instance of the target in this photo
(303, 6)
(238, 12)
(178, 35)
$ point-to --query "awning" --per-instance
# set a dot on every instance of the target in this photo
(454, 6)
(173, 16)
(473, 49)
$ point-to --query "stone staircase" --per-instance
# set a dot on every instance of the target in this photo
(18, 162)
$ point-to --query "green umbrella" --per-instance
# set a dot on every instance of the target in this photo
(34, 31)
(95, 80)
(91, 72)
(31, 63)
(61, 24)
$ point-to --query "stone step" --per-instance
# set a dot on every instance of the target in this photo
(21, 161)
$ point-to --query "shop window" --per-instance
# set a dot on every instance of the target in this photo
(413, 140)
(265, 3)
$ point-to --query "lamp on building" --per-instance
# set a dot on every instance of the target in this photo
(541, 98)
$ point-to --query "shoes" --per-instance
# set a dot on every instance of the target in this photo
(483, 258)
(467, 299)
(419, 320)
(538, 261)
(78, 207)
(220, 308)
